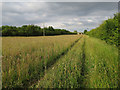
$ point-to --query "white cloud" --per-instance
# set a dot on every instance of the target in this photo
(75, 19)
(90, 20)
(80, 23)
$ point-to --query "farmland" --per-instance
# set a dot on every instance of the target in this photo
(91, 63)
(26, 58)
(65, 61)
(54, 44)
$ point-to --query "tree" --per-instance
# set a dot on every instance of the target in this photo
(85, 31)
(51, 28)
(108, 30)
(75, 31)
(31, 30)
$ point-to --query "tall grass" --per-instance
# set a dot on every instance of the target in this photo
(102, 64)
(91, 63)
(26, 58)
(0, 63)
(66, 73)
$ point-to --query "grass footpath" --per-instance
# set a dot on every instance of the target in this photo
(66, 73)
(102, 64)
(91, 63)
(0, 63)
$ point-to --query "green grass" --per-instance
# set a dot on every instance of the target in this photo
(91, 63)
(59, 62)
(66, 73)
(102, 64)
(0, 63)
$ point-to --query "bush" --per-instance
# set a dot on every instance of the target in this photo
(107, 31)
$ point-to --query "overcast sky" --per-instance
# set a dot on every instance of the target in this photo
(59, 0)
(68, 15)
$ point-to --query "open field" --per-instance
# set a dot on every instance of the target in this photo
(69, 61)
(59, 44)
(91, 63)
(26, 58)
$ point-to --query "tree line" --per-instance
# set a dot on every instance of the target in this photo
(108, 30)
(31, 30)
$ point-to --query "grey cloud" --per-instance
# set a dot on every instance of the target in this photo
(59, 1)
(67, 14)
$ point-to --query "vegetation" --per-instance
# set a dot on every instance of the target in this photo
(82, 66)
(101, 64)
(0, 62)
(75, 31)
(31, 30)
(67, 61)
(85, 31)
(26, 58)
(59, 62)
(108, 30)
(66, 72)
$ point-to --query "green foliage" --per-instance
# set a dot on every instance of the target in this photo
(31, 30)
(75, 31)
(85, 31)
(107, 31)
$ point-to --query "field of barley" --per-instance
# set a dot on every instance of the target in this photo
(65, 61)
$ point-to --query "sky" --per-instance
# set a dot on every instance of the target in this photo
(59, 0)
(65, 15)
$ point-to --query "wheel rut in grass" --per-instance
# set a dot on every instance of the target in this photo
(83, 67)
(62, 54)
(83, 59)
(55, 60)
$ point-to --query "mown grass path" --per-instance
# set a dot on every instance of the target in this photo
(90, 63)
(102, 64)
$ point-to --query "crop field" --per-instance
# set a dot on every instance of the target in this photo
(26, 58)
(65, 61)
(91, 63)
